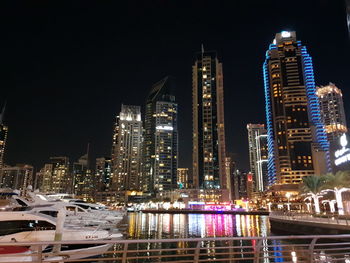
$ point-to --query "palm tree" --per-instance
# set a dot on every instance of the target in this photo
(338, 183)
(312, 186)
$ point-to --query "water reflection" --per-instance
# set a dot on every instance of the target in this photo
(152, 226)
(159, 226)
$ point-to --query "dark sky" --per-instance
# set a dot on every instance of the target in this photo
(68, 65)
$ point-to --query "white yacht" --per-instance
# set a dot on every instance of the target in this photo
(45, 221)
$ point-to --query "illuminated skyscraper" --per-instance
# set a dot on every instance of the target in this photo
(161, 138)
(3, 137)
(84, 184)
(17, 177)
(208, 122)
(257, 140)
(55, 176)
(297, 142)
(103, 173)
(127, 149)
(332, 109)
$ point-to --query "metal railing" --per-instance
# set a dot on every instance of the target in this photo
(325, 248)
(319, 218)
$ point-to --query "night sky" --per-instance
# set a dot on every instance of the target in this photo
(68, 65)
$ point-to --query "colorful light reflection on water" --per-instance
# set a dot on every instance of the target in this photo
(151, 226)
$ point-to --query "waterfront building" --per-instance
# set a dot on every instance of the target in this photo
(241, 184)
(17, 177)
(332, 111)
(103, 173)
(250, 185)
(196, 196)
(55, 176)
(161, 138)
(83, 181)
(182, 178)
(297, 142)
(126, 158)
(258, 155)
(208, 122)
(3, 137)
(44, 178)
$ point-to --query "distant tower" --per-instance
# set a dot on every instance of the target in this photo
(208, 122)
(83, 180)
(332, 109)
(297, 142)
(61, 180)
(3, 137)
(103, 173)
(127, 149)
(17, 177)
(257, 140)
(161, 138)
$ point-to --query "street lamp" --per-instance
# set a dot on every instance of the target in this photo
(288, 195)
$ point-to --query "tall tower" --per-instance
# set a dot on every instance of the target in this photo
(332, 109)
(208, 122)
(257, 140)
(297, 141)
(161, 138)
(3, 137)
(127, 149)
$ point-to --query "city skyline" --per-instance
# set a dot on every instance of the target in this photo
(53, 118)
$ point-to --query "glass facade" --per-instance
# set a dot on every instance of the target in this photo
(127, 149)
(257, 141)
(297, 142)
(208, 122)
(161, 138)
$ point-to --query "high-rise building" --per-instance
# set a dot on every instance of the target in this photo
(44, 178)
(182, 178)
(103, 173)
(57, 178)
(161, 138)
(208, 122)
(17, 177)
(83, 181)
(127, 149)
(3, 137)
(258, 155)
(332, 109)
(297, 142)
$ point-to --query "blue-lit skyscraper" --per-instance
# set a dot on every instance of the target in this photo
(297, 141)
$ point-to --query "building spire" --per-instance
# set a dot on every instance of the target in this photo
(202, 48)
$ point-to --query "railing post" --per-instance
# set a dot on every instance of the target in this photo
(125, 252)
(311, 249)
(196, 252)
(37, 251)
(257, 251)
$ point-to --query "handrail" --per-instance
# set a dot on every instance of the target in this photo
(130, 241)
(308, 248)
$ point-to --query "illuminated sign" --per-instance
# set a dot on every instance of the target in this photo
(342, 155)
